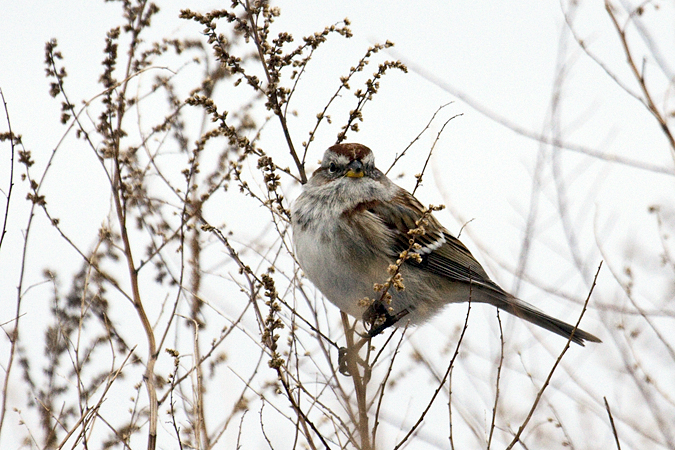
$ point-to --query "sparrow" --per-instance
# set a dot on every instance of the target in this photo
(350, 226)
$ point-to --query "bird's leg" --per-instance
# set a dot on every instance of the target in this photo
(377, 318)
(348, 357)
(343, 366)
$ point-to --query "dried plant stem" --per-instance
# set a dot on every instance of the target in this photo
(516, 438)
(149, 377)
(176, 428)
(93, 412)
(499, 373)
(360, 383)
(8, 196)
(445, 377)
(611, 422)
(648, 101)
(426, 162)
(419, 135)
(383, 384)
(272, 94)
(452, 441)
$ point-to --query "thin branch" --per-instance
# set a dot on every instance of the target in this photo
(569, 20)
(516, 438)
(402, 154)
(506, 122)
(499, 373)
(360, 382)
(12, 142)
(91, 412)
(450, 438)
(649, 103)
(8, 196)
(445, 377)
(611, 422)
(420, 175)
(383, 385)
(271, 93)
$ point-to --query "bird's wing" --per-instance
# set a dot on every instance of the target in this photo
(441, 253)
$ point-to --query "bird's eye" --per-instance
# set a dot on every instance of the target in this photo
(332, 168)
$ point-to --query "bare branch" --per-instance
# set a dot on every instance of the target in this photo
(522, 427)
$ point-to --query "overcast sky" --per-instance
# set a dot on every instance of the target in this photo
(503, 65)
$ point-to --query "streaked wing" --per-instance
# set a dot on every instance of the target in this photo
(442, 253)
(453, 260)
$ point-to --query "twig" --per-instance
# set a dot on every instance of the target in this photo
(569, 19)
(12, 142)
(402, 154)
(383, 385)
(360, 383)
(262, 424)
(445, 377)
(516, 438)
(93, 411)
(241, 425)
(8, 195)
(508, 123)
(424, 168)
(452, 441)
(301, 413)
(272, 94)
(172, 412)
(372, 87)
(499, 373)
(649, 103)
(611, 422)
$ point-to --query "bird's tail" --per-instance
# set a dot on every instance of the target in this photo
(528, 312)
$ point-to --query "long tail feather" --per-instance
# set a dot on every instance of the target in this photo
(528, 312)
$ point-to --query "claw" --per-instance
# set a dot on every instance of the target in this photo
(342, 361)
(377, 318)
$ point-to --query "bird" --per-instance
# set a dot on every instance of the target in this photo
(351, 225)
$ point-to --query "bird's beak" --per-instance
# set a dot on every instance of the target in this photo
(355, 169)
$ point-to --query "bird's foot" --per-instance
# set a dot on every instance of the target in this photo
(377, 318)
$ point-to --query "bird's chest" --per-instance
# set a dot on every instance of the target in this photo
(342, 260)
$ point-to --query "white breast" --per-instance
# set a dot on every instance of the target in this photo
(326, 265)
(337, 257)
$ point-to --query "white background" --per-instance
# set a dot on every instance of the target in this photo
(492, 60)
